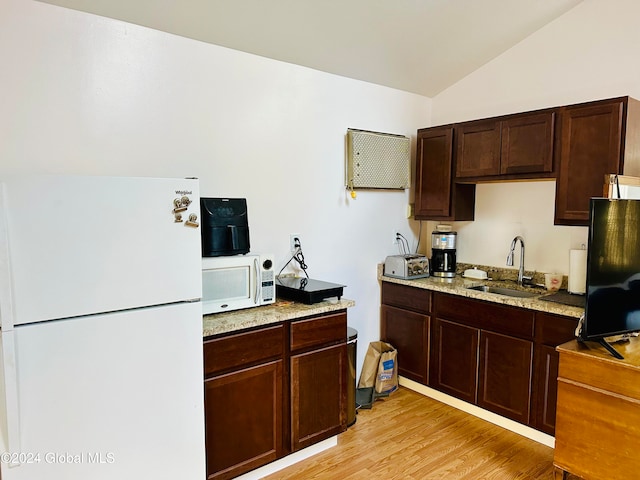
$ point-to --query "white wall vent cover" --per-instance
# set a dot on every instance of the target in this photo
(377, 160)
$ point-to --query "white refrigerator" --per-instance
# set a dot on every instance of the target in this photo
(101, 329)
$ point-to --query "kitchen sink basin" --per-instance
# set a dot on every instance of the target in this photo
(509, 292)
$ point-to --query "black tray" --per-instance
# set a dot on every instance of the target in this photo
(306, 290)
(566, 298)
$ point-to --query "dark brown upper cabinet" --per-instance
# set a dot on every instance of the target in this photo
(478, 149)
(576, 144)
(436, 196)
(504, 148)
(596, 139)
(527, 144)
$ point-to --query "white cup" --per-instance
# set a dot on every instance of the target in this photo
(553, 281)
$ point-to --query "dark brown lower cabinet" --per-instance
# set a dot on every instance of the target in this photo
(482, 352)
(318, 395)
(408, 332)
(504, 384)
(499, 357)
(484, 368)
(545, 389)
(243, 419)
(273, 390)
(551, 331)
(318, 379)
(454, 359)
(243, 397)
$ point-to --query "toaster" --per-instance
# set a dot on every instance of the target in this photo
(406, 266)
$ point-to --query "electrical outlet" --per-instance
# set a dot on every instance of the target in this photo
(295, 241)
(394, 234)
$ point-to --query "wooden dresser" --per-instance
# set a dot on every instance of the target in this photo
(598, 412)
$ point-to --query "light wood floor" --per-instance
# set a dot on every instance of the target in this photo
(413, 437)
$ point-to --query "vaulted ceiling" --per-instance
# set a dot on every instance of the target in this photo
(420, 46)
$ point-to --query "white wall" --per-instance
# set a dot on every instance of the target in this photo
(589, 53)
(526, 209)
(85, 94)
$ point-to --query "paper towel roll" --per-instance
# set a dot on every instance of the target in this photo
(577, 271)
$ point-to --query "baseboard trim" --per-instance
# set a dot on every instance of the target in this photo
(289, 460)
(496, 419)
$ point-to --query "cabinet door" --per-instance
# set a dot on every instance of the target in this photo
(551, 331)
(527, 144)
(436, 196)
(590, 147)
(318, 395)
(408, 332)
(505, 375)
(478, 149)
(434, 171)
(243, 419)
(454, 359)
(545, 389)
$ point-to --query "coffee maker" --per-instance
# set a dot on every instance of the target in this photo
(443, 253)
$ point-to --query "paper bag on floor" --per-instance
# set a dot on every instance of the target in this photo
(380, 368)
(387, 379)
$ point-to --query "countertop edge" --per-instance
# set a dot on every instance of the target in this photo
(459, 286)
(281, 311)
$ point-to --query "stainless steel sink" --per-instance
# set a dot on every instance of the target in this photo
(504, 291)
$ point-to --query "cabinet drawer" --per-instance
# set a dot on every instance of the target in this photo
(610, 374)
(409, 298)
(318, 331)
(554, 330)
(241, 349)
(486, 316)
(596, 432)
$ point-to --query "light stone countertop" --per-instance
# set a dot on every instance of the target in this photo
(282, 310)
(458, 286)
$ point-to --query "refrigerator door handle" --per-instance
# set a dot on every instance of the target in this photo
(6, 297)
(7, 340)
(12, 406)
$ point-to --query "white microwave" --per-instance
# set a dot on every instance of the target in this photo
(235, 282)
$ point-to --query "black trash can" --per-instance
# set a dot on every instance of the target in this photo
(352, 340)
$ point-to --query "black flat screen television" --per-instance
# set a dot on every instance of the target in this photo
(613, 271)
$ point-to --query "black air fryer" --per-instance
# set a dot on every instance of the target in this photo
(225, 228)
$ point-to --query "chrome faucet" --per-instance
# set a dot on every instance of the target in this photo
(521, 278)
